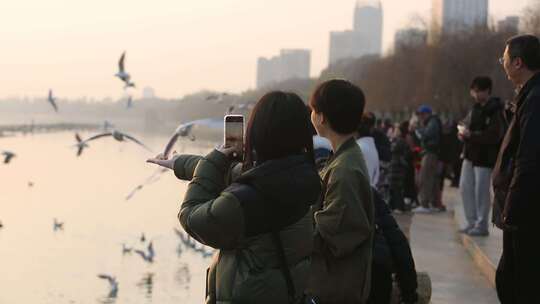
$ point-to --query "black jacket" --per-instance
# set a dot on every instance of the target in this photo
(516, 177)
(431, 134)
(392, 244)
(383, 145)
(486, 124)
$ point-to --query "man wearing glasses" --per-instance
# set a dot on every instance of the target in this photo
(516, 177)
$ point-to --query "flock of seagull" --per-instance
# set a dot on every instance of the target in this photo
(184, 130)
(124, 76)
(148, 255)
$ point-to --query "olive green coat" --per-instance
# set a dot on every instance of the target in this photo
(341, 263)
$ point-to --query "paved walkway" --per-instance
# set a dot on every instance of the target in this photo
(490, 246)
(436, 249)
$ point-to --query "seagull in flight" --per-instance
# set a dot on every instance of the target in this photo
(113, 284)
(126, 249)
(149, 255)
(52, 100)
(122, 74)
(81, 144)
(58, 225)
(8, 156)
(150, 180)
(183, 130)
(134, 191)
(117, 135)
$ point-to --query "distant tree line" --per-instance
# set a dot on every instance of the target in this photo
(437, 73)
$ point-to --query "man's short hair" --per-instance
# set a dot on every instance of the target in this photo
(482, 83)
(526, 47)
(341, 102)
(370, 119)
(366, 125)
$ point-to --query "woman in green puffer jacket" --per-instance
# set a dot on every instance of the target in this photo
(235, 208)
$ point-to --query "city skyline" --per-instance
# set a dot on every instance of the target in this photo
(452, 16)
(175, 48)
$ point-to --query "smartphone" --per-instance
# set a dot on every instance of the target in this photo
(234, 134)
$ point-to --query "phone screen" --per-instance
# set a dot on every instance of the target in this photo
(234, 134)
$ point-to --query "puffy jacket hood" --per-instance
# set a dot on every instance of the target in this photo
(277, 193)
(290, 180)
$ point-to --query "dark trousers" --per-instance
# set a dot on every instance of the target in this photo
(397, 200)
(518, 273)
(381, 284)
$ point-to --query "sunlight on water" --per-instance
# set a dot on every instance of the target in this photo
(39, 265)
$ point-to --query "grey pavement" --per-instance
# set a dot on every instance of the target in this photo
(492, 245)
(436, 250)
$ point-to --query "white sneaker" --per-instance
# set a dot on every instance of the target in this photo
(422, 210)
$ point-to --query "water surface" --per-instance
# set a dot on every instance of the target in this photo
(39, 265)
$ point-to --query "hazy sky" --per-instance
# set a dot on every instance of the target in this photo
(174, 46)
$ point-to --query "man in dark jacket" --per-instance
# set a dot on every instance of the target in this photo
(481, 132)
(430, 173)
(516, 177)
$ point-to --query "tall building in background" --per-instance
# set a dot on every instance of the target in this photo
(295, 63)
(267, 71)
(366, 36)
(451, 16)
(509, 24)
(368, 21)
(410, 37)
(291, 63)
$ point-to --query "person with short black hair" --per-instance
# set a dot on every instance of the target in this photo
(382, 142)
(344, 217)
(482, 84)
(516, 177)
(482, 132)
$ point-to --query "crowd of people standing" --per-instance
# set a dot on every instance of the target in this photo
(306, 217)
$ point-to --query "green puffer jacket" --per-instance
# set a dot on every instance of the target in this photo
(237, 215)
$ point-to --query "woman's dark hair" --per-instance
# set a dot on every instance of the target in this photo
(482, 83)
(526, 47)
(279, 126)
(341, 102)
